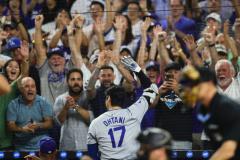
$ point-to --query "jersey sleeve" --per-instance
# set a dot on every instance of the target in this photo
(91, 137)
(139, 108)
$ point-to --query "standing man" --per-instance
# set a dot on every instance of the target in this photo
(72, 113)
(114, 132)
(219, 114)
(29, 116)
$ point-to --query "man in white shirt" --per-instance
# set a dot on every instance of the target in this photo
(228, 84)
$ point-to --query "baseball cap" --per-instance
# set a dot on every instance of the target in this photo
(172, 65)
(47, 145)
(192, 76)
(56, 50)
(94, 56)
(221, 49)
(100, 2)
(127, 49)
(153, 65)
(13, 43)
(150, 15)
(214, 16)
(155, 138)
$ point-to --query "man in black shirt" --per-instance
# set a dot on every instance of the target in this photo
(169, 110)
(219, 114)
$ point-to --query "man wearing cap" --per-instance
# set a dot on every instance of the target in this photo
(29, 117)
(169, 109)
(214, 20)
(219, 114)
(156, 144)
(52, 65)
(47, 151)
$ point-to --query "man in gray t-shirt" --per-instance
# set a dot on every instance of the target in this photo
(71, 112)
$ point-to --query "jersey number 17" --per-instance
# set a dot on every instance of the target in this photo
(111, 131)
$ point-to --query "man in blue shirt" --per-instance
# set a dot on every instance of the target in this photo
(29, 116)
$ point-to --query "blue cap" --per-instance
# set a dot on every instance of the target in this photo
(47, 145)
(153, 65)
(13, 43)
(57, 51)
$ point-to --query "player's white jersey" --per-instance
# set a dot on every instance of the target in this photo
(115, 131)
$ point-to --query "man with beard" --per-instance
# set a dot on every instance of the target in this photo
(29, 117)
(72, 114)
(228, 84)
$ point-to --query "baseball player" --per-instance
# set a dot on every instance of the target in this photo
(114, 132)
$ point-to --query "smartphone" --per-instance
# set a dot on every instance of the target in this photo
(168, 77)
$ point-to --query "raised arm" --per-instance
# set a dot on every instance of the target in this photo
(62, 23)
(118, 37)
(4, 85)
(162, 51)
(82, 40)
(98, 28)
(142, 50)
(134, 67)
(91, 90)
(230, 43)
(76, 56)
(192, 47)
(125, 73)
(154, 45)
(110, 15)
(41, 52)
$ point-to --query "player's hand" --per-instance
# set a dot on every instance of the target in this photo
(151, 93)
(130, 64)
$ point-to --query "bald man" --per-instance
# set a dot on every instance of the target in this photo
(29, 117)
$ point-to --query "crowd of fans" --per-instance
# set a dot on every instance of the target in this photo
(61, 56)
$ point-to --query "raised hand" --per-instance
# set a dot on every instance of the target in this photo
(102, 59)
(24, 50)
(158, 32)
(38, 21)
(99, 26)
(190, 42)
(79, 21)
(226, 27)
(119, 23)
(130, 64)
(145, 25)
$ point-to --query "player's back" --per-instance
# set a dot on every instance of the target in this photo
(115, 131)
